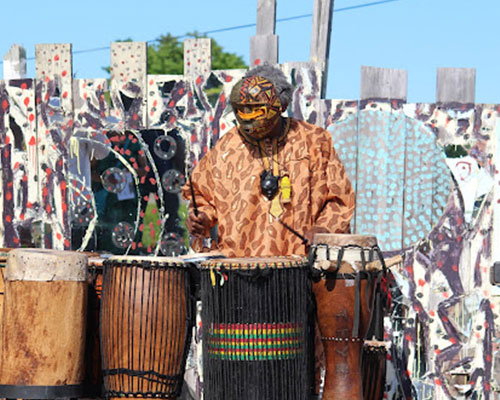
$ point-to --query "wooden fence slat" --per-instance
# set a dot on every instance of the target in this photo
(128, 84)
(14, 63)
(320, 37)
(54, 97)
(197, 57)
(456, 85)
(383, 83)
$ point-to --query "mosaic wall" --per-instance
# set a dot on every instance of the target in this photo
(88, 164)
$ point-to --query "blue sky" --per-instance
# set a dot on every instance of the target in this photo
(416, 35)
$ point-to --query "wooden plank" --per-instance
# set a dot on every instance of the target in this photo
(320, 37)
(380, 173)
(128, 84)
(383, 83)
(20, 124)
(306, 78)
(197, 57)
(14, 63)
(263, 48)
(456, 85)
(266, 17)
(427, 180)
(340, 117)
(54, 98)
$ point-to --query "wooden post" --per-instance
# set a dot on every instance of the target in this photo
(381, 156)
(383, 83)
(128, 83)
(197, 57)
(320, 38)
(14, 63)
(264, 45)
(456, 85)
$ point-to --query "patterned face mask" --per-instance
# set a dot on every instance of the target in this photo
(256, 105)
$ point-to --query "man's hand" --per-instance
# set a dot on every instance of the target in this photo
(198, 225)
(309, 234)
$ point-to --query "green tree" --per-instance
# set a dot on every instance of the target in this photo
(166, 56)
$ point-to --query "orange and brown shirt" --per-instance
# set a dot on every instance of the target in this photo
(226, 184)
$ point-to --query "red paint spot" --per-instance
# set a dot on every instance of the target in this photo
(66, 243)
(48, 171)
(146, 198)
(8, 218)
(439, 264)
(134, 117)
(8, 196)
(26, 101)
(488, 357)
(24, 86)
(437, 351)
(65, 94)
(409, 269)
(141, 227)
(134, 245)
(453, 340)
(171, 103)
(158, 222)
(438, 381)
(48, 209)
(150, 82)
(64, 73)
(486, 325)
(7, 140)
(454, 267)
(16, 240)
(56, 57)
(181, 91)
(257, 61)
(223, 126)
(153, 181)
(198, 80)
(408, 338)
(432, 313)
(58, 236)
(31, 117)
(21, 216)
(172, 119)
(5, 104)
(229, 78)
(64, 207)
(459, 238)
(29, 204)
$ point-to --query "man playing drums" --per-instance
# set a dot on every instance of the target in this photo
(267, 175)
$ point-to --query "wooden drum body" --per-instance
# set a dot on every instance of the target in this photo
(42, 337)
(344, 298)
(146, 325)
(256, 329)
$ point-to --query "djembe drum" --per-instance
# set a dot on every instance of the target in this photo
(146, 324)
(42, 339)
(256, 329)
(349, 268)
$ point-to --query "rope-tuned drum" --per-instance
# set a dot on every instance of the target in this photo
(146, 324)
(256, 328)
(348, 299)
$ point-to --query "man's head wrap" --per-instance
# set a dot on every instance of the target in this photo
(258, 103)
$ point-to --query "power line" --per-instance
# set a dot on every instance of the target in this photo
(237, 27)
